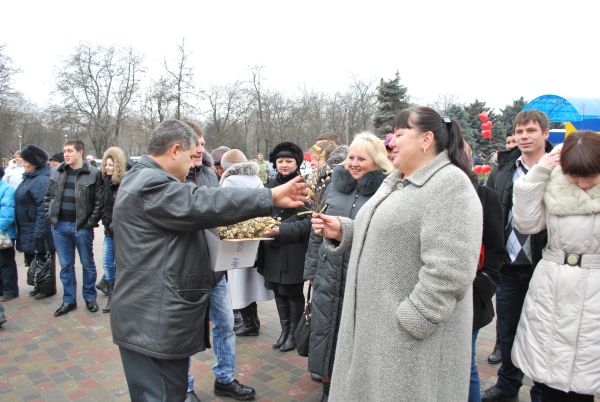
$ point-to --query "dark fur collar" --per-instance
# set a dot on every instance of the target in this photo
(343, 181)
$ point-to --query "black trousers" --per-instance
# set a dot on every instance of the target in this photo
(154, 380)
(8, 272)
(554, 395)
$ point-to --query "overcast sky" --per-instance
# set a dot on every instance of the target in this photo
(491, 50)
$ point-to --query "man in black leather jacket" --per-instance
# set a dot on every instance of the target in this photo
(160, 300)
(72, 205)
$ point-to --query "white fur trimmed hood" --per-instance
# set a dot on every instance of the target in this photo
(245, 168)
(564, 198)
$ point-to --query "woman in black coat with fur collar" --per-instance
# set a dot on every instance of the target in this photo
(282, 259)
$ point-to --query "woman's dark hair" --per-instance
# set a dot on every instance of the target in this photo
(580, 154)
(447, 133)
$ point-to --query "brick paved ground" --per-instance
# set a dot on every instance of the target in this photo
(72, 358)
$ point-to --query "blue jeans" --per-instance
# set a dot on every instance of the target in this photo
(474, 388)
(66, 239)
(510, 297)
(221, 316)
(109, 258)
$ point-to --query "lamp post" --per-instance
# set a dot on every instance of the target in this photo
(20, 143)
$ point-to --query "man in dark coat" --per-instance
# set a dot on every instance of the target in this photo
(202, 174)
(524, 251)
(72, 204)
(159, 312)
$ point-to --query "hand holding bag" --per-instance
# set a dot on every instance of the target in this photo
(302, 334)
(39, 274)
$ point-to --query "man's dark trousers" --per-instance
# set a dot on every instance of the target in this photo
(154, 380)
(510, 297)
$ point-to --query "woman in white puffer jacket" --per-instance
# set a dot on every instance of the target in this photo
(558, 338)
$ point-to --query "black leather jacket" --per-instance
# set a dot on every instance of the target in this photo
(160, 300)
(88, 195)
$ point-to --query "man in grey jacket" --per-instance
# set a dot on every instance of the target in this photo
(159, 312)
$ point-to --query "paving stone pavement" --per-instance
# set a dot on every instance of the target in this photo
(72, 358)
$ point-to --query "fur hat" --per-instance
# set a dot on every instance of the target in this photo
(217, 154)
(34, 155)
(58, 157)
(232, 157)
(287, 149)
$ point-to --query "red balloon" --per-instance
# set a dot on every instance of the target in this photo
(487, 125)
(477, 169)
(485, 169)
(486, 134)
(483, 116)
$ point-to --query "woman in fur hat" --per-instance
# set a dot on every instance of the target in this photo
(282, 260)
(114, 166)
(33, 231)
(246, 285)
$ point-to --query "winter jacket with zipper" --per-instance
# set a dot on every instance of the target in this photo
(88, 195)
(558, 337)
(282, 259)
(32, 224)
(7, 209)
(204, 175)
(160, 300)
(345, 196)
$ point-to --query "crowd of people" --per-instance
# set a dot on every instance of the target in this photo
(403, 256)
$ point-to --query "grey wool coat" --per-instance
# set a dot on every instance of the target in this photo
(405, 332)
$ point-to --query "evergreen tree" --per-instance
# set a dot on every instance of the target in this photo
(507, 117)
(457, 112)
(391, 97)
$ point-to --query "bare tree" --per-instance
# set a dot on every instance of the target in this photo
(7, 72)
(96, 86)
(226, 108)
(180, 80)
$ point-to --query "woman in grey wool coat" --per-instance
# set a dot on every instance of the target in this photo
(352, 184)
(405, 332)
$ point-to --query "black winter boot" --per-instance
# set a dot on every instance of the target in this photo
(284, 318)
(296, 309)
(249, 327)
(255, 312)
(101, 286)
(325, 396)
(109, 290)
(238, 321)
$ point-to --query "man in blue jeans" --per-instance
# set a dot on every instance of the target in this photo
(220, 311)
(73, 208)
(524, 251)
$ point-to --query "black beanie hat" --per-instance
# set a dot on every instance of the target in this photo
(34, 155)
(287, 149)
(58, 157)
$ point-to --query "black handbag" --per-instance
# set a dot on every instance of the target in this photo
(39, 274)
(302, 334)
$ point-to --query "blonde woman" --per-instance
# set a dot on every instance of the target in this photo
(114, 165)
